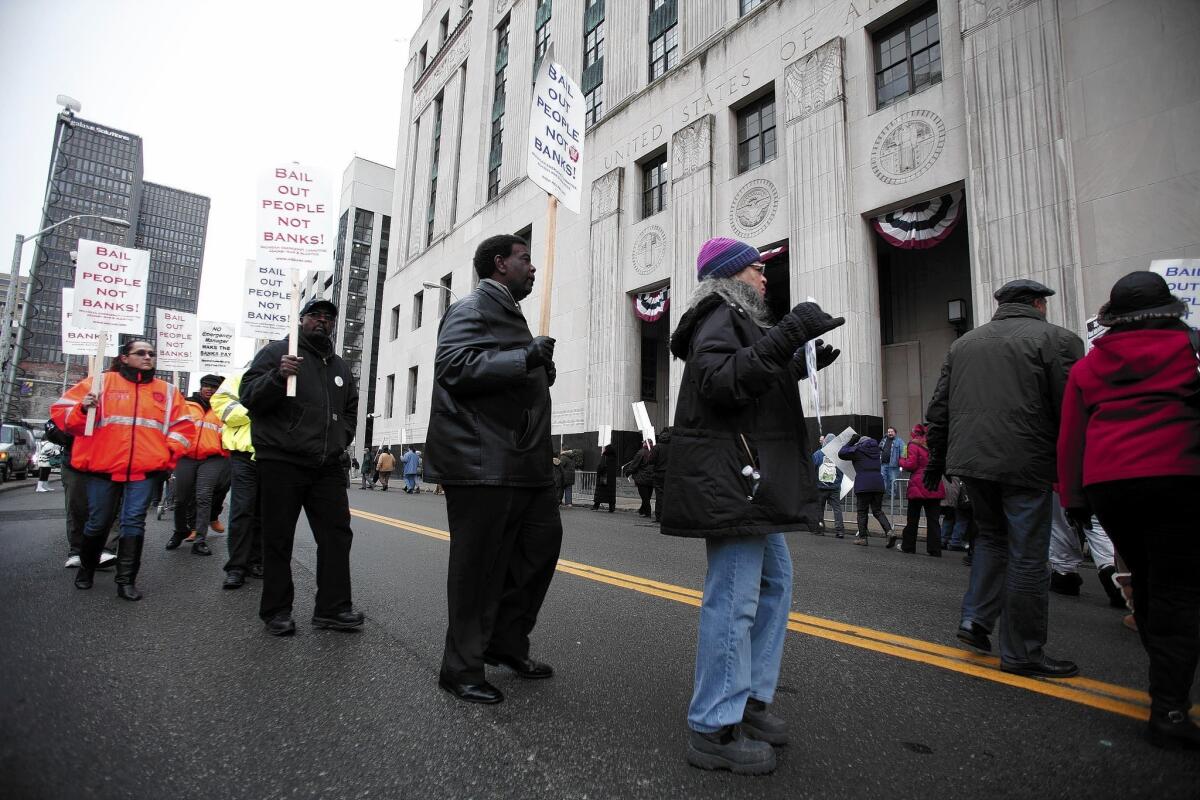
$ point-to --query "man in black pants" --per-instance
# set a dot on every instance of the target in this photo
(489, 447)
(245, 527)
(299, 444)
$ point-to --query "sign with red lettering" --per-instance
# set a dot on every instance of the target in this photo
(266, 302)
(80, 341)
(556, 123)
(176, 343)
(295, 218)
(110, 287)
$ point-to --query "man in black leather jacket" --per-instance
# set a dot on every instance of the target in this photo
(299, 445)
(489, 447)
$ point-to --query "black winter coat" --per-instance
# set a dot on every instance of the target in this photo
(606, 478)
(314, 427)
(995, 411)
(641, 467)
(489, 424)
(865, 456)
(662, 457)
(739, 391)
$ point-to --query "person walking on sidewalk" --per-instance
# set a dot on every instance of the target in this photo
(606, 480)
(245, 527)
(1135, 394)
(141, 429)
(863, 453)
(567, 463)
(920, 499)
(739, 475)
(993, 421)
(200, 471)
(411, 464)
(641, 469)
(829, 490)
(299, 444)
(385, 464)
(49, 456)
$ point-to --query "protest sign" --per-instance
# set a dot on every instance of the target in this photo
(110, 287)
(643, 421)
(556, 125)
(295, 218)
(79, 341)
(1183, 278)
(176, 343)
(847, 468)
(215, 353)
(266, 302)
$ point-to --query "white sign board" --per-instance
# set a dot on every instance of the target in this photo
(1092, 330)
(110, 287)
(1183, 278)
(846, 467)
(215, 353)
(295, 219)
(605, 436)
(643, 421)
(176, 343)
(556, 127)
(80, 341)
(266, 302)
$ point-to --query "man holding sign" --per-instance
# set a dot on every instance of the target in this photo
(489, 446)
(299, 443)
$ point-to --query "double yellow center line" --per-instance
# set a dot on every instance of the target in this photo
(1085, 691)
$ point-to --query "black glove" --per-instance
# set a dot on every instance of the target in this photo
(814, 321)
(826, 355)
(1080, 517)
(932, 479)
(551, 373)
(854, 440)
(539, 352)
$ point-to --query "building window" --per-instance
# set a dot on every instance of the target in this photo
(443, 30)
(746, 6)
(594, 101)
(411, 405)
(756, 133)
(444, 301)
(664, 37)
(593, 61)
(654, 185)
(431, 211)
(395, 322)
(541, 31)
(908, 56)
(418, 309)
(496, 148)
(423, 58)
(389, 394)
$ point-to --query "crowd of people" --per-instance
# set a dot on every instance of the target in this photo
(1015, 461)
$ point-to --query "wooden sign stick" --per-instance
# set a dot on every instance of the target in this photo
(294, 338)
(97, 376)
(548, 269)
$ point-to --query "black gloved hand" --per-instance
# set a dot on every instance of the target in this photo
(538, 352)
(826, 355)
(1080, 517)
(854, 440)
(931, 479)
(814, 321)
(551, 372)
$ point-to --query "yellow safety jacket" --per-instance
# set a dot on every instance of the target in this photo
(236, 433)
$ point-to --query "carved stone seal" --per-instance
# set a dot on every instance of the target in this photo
(649, 250)
(753, 207)
(908, 146)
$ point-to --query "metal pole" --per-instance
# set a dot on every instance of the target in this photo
(66, 370)
(10, 309)
(10, 374)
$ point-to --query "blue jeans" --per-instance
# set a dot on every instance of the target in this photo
(890, 474)
(1010, 572)
(104, 494)
(743, 621)
(954, 528)
(410, 482)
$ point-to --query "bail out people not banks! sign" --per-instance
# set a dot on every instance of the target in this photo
(110, 287)
(1183, 279)
(176, 343)
(295, 220)
(556, 128)
(216, 346)
(266, 302)
(80, 341)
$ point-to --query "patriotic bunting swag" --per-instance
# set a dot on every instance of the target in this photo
(922, 225)
(650, 306)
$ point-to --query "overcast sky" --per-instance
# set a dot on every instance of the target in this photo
(218, 90)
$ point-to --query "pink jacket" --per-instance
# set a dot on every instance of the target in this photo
(915, 463)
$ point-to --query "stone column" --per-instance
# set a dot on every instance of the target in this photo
(1020, 205)
(826, 255)
(691, 218)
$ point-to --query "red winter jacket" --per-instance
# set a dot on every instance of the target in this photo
(914, 462)
(1130, 410)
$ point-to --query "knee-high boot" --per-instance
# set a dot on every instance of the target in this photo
(89, 559)
(129, 561)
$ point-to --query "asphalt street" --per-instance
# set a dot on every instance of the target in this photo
(183, 695)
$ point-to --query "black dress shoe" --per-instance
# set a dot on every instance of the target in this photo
(472, 692)
(281, 624)
(175, 540)
(234, 579)
(341, 621)
(891, 542)
(524, 667)
(1047, 668)
(976, 636)
(256, 570)
(201, 548)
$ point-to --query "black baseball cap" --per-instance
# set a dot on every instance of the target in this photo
(319, 302)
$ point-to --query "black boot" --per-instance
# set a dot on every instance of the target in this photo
(1115, 598)
(89, 559)
(129, 561)
(1173, 730)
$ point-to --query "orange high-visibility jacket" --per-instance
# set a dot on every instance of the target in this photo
(207, 441)
(140, 427)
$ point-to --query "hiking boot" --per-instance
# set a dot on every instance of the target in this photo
(728, 748)
(759, 723)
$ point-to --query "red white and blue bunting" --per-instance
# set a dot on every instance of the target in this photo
(650, 306)
(922, 225)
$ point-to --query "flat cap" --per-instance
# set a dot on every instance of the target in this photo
(1021, 288)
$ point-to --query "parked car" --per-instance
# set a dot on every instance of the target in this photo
(17, 452)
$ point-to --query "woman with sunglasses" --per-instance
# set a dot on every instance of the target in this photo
(142, 427)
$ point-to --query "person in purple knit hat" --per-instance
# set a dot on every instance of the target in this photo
(738, 476)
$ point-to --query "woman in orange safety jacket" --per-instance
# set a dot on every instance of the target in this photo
(141, 429)
(202, 472)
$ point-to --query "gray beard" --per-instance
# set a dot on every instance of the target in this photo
(738, 293)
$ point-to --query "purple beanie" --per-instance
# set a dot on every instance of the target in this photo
(724, 258)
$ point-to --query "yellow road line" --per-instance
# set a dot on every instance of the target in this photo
(1085, 691)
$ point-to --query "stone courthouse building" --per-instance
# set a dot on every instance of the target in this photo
(910, 156)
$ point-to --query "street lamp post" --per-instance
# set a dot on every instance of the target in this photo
(446, 289)
(13, 344)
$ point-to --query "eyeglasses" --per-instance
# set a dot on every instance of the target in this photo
(150, 353)
(758, 266)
